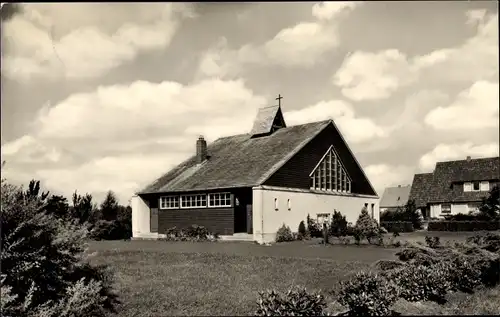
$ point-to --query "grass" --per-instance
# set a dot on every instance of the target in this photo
(158, 278)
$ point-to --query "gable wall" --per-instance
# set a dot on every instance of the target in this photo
(295, 173)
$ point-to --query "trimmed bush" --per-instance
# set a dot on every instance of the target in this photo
(191, 233)
(476, 225)
(284, 234)
(302, 232)
(295, 302)
(366, 228)
(338, 226)
(397, 226)
(368, 294)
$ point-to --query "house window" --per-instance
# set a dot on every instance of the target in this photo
(169, 202)
(373, 211)
(193, 201)
(219, 200)
(475, 186)
(289, 204)
(446, 208)
(485, 186)
(467, 187)
(275, 203)
(330, 174)
(473, 207)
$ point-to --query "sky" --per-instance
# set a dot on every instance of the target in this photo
(109, 96)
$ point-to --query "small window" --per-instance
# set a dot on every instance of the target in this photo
(485, 186)
(467, 187)
(373, 210)
(289, 204)
(446, 208)
(193, 201)
(473, 207)
(275, 203)
(475, 186)
(169, 202)
(219, 200)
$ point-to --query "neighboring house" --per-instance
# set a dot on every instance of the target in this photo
(456, 186)
(254, 183)
(394, 197)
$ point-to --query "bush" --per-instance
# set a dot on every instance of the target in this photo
(368, 294)
(302, 232)
(314, 229)
(423, 283)
(407, 214)
(48, 274)
(385, 265)
(338, 226)
(295, 302)
(465, 275)
(191, 233)
(284, 234)
(397, 226)
(476, 225)
(433, 242)
(366, 228)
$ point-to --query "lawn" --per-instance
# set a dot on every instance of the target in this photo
(158, 278)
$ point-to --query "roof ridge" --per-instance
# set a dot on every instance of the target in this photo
(471, 159)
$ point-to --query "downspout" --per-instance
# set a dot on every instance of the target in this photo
(262, 215)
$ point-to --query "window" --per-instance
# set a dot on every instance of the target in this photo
(373, 211)
(169, 202)
(289, 204)
(219, 200)
(467, 187)
(330, 175)
(275, 203)
(193, 201)
(475, 186)
(473, 207)
(485, 186)
(446, 208)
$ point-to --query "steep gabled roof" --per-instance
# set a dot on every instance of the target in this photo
(237, 161)
(420, 189)
(447, 173)
(267, 118)
(395, 196)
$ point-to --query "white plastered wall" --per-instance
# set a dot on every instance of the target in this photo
(141, 220)
(267, 220)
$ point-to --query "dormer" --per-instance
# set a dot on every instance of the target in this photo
(268, 120)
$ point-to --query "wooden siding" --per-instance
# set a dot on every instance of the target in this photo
(295, 173)
(217, 220)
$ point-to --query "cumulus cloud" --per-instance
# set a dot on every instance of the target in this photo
(365, 75)
(457, 151)
(301, 45)
(83, 40)
(474, 108)
(377, 75)
(383, 175)
(354, 129)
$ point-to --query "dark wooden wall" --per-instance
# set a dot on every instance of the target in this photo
(295, 173)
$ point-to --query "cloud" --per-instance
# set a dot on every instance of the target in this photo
(302, 45)
(377, 75)
(383, 175)
(457, 151)
(59, 41)
(474, 108)
(355, 129)
(372, 76)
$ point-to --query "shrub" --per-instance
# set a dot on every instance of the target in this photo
(368, 294)
(48, 273)
(398, 226)
(302, 232)
(465, 276)
(383, 230)
(284, 234)
(313, 227)
(338, 226)
(407, 217)
(385, 265)
(432, 242)
(366, 227)
(475, 225)
(295, 302)
(191, 233)
(423, 283)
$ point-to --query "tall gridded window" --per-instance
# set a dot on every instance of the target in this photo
(330, 174)
(193, 201)
(219, 200)
(169, 202)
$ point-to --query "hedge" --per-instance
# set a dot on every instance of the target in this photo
(446, 225)
(397, 226)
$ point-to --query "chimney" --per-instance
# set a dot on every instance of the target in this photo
(468, 158)
(201, 150)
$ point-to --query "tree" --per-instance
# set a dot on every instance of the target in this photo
(412, 214)
(48, 273)
(490, 205)
(83, 208)
(59, 207)
(338, 226)
(109, 207)
(366, 227)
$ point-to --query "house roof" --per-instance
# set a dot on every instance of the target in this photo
(237, 161)
(395, 196)
(265, 118)
(419, 189)
(447, 173)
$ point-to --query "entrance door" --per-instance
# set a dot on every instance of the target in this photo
(249, 219)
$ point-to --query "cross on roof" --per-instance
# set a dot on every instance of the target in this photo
(279, 99)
